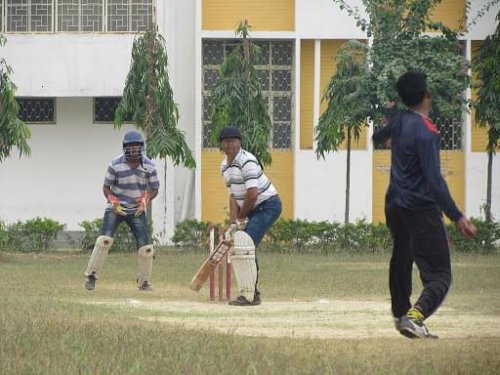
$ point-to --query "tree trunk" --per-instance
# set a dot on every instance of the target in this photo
(487, 209)
(348, 176)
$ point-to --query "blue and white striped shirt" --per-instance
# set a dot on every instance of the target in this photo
(245, 173)
(128, 183)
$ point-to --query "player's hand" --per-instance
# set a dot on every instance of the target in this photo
(467, 228)
(143, 203)
(241, 224)
(117, 207)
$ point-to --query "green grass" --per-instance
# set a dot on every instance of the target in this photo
(50, 325)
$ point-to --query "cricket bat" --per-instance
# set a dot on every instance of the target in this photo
(209, 265)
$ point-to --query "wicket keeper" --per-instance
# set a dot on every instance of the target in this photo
(131, 181)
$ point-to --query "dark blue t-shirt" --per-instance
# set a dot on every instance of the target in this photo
(416, 181)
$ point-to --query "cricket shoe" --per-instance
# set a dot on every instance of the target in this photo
(242, 301)
(397, 323)
(414, 329)
(90, 282)
(146, 287)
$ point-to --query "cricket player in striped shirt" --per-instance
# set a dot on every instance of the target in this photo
(254, 205)
(131, 181)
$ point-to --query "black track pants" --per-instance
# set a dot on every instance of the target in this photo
(420, 237)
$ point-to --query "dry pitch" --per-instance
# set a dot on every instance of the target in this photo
(313, 319)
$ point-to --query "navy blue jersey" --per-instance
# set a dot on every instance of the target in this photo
(416, 180)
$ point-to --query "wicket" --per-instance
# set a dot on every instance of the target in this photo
(220, 271)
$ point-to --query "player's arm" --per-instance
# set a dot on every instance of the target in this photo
(248, 205)
(233, 208)
(428, 153)
(383, 135)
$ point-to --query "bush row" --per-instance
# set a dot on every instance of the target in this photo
(290, 236)
(286, 236)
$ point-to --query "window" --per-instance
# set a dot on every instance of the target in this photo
(276, 76)
(450, 132)
(76, 15)
(104, 110)
(37, 110)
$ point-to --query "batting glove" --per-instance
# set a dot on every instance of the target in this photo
(143, 203)
(241, 223)
(228, 234)
(117, 207)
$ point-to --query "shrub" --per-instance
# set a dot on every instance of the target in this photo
(301, 236)
(124, 240)
(4, 237)
(192, 233)
(486, 240)
(36, 234)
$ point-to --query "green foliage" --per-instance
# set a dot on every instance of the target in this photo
(487, 105)
(192, 233)
(34, 235)
(487, 240)
(237, 99)
(346, 97)
(400, 44)
(13, 132)
(148, 96)
(123, 239)
(487, 67)
(4, 237)
(303, 236)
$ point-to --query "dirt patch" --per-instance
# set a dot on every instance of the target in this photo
(315, 319)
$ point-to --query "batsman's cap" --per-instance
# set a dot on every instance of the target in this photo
(230, 132)
(132, 137)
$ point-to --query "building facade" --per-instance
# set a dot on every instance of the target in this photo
(70, 60)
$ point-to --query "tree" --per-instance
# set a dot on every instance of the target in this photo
(148, 97)
(347, 108)
(13, 131)
(487, 67)
(237, 98)
(400, 43)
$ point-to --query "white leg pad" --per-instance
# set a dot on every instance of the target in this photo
(244, 266)
(99, 254)
(144, 264)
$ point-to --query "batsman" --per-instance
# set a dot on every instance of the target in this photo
(131, 181)
(254, 205)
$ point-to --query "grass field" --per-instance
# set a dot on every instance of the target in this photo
(320, 315)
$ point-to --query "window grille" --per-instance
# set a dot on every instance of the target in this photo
(104, 110)
(76, 15)
(37, 110)
(450, 133)
(276, 76)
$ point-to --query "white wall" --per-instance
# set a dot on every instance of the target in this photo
(320, 186)
(476, 183)
(323, 19)
(485, 25)
(68, 65)
(62, 179)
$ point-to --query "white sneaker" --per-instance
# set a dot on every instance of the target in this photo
(414, 330)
